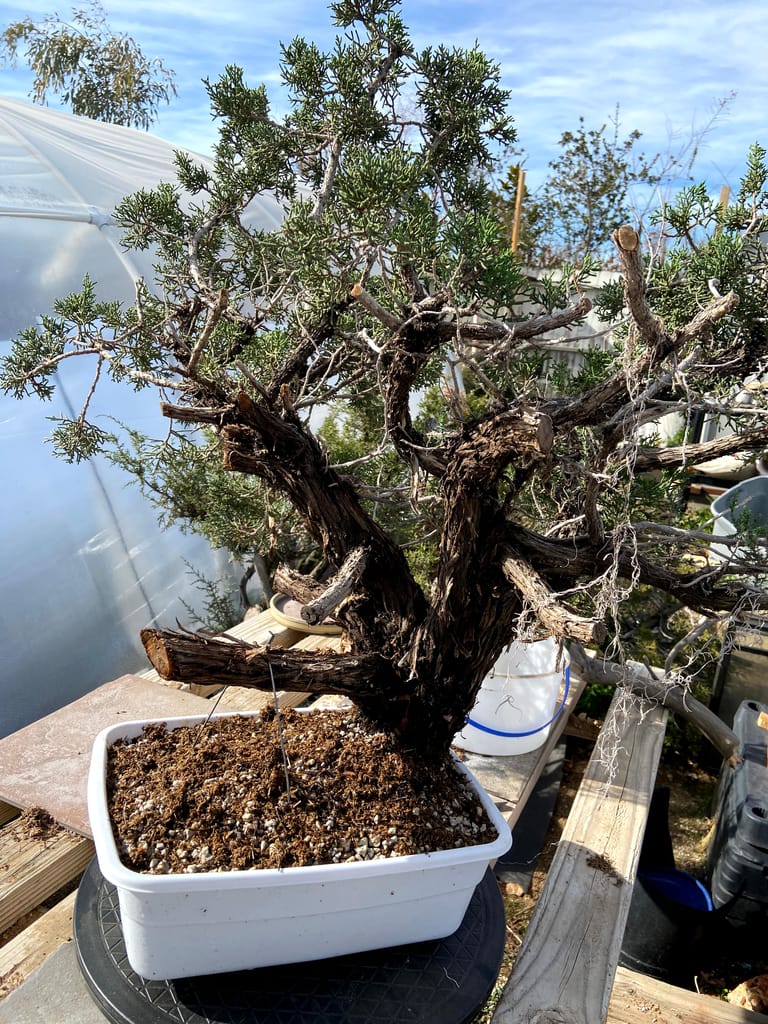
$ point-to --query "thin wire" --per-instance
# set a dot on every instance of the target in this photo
(219, 695)
(280, 726)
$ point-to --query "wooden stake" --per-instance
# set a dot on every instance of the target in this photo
(518, 208)
(725, 195)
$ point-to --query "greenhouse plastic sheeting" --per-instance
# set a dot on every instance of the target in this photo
(83, 563)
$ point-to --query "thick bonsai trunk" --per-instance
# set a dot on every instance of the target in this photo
(415, 666)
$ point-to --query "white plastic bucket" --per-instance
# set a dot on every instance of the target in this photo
(518, 701)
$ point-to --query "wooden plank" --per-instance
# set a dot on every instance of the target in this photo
(31, 870)
(566, 965)
(264, 628)
(245, 698)
(638, 999)
(27, 950)
(7, 812)
(319, 642)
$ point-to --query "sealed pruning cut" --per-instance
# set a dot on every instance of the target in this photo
(217, 796)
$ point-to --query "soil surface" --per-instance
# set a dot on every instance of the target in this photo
(296, 789)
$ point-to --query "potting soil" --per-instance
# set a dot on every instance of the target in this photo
(284, 790)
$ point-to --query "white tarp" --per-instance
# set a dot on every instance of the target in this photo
(83, 563)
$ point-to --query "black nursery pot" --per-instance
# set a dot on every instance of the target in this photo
(669, 922)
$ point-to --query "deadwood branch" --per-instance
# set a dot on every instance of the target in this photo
(296, 585)
(191, 658)
(646, 458)
(340, 587)
(672, 695)
(554, 614)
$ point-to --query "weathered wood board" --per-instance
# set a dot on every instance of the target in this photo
(27, 950)
(638, 999)
(565, 969)
(31, 869)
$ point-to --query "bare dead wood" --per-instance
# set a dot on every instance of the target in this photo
(650, 327)
(554, 614)
(374, 307)
(645, 459)
(296, 585)
(192, 658)
(340, 587)
(671, 695)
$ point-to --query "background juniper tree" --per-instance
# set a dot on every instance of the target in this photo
(96, 72)
(389, 282)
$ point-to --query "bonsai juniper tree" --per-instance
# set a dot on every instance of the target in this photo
(389, 279)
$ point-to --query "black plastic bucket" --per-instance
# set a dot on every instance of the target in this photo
(669, 920)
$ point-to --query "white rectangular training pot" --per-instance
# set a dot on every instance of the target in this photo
(181, 925)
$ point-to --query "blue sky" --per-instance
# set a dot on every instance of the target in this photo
(667, 65)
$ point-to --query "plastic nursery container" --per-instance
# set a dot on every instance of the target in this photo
(181, 925)
(737, 860)
(518, 701)
(749, 497)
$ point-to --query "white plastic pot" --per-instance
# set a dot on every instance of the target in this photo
(518, 701)
(181, 925)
